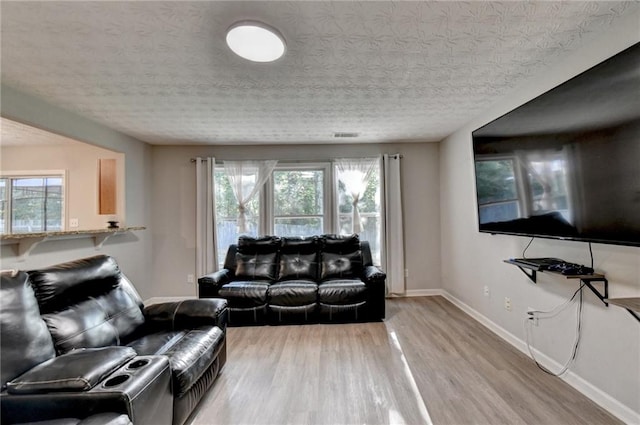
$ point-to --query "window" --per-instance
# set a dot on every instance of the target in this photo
(521, 186)
(31, 203)
(370, 213)
(497, 190)
(547, 182)
(298, 200)
(299, 207)
(227, 214)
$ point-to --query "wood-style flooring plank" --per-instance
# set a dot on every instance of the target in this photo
(468, 375)
(312, 374)
(426, 353)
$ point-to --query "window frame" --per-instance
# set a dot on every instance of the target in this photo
(36, 174)
(518, 182)
(327, 198)
(266, 199)
(522, 181)
(545, 156)
(219, 167)
(379, 215)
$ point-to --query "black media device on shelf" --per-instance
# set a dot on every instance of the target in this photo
(566, 165)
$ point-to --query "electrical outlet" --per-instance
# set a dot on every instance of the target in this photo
(191, 279)
(486, 291)
(74, 222)
(532, 316)
(406, 272)
(507, 303)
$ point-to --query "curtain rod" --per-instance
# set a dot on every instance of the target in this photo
(395, 155)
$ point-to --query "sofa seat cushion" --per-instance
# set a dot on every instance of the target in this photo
(293, 293)
(342, 292)
(245, 294)
(156, 343)
(190, 353)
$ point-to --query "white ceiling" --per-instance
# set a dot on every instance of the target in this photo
(17, 134)
(390, 71)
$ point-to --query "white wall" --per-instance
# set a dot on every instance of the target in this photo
(609, 356)
(174, 205)
(81, 163)
(132, 251)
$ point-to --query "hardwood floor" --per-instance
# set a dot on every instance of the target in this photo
(426, 353)
(468, 375)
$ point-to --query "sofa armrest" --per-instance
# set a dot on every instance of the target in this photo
(139, 389)
(375, 279)
(77, 370)
(373, 275)
(210, 284)
(188, 314)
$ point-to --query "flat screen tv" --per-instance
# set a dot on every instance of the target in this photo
(566, 165)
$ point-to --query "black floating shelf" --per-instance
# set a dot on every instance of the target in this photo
(587, 279)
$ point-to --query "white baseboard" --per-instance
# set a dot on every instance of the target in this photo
(420, 293)
(598, 396)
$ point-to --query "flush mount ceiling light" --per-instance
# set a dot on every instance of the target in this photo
(255, 41)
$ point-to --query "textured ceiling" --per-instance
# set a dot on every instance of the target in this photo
(16, 134)
(389, 71)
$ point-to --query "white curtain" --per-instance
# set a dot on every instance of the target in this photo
(206, 256)
(354, 174)
(393, 255)
(246, 178)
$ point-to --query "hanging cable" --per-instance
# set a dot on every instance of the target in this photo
(591, 254)
(556, 310)
(527, 247)
(532, 315)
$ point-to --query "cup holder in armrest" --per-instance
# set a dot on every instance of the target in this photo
(116, 380)
(137, 364)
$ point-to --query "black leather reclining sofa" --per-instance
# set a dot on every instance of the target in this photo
(77, 342)
(276, 280)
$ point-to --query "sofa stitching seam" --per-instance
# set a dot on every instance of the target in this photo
(58, 343)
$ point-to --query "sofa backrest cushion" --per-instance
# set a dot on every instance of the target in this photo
(256, 266)
(300, 244)
(340, 244)
(299, 257)
(262, 245)
(87, 303)
(367, 260)
(68, 283)
(298, 266)
(230, 258)
(24, 337)
(341, 266)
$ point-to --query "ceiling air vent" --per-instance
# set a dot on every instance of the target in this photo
(344, 134)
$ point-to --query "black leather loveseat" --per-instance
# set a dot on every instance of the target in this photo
(287, 279)
(78, 342)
